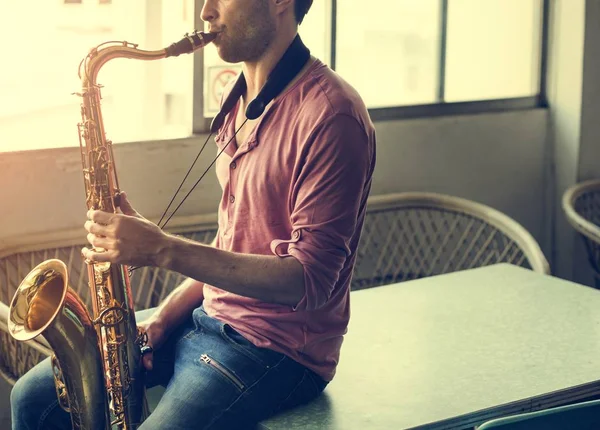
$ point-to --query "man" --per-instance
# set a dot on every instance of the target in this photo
(257, 328)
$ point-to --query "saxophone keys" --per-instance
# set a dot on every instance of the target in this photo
(142, 337)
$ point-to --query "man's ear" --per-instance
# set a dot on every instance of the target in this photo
(283, 5)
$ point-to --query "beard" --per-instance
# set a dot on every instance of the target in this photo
(248, 36)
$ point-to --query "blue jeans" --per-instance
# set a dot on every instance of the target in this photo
(214, 379)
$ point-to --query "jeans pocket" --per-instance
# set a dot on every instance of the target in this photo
(263, 356)
(187, 330)
(191, 334)
(223, 371)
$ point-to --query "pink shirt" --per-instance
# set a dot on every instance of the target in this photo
(298, 189)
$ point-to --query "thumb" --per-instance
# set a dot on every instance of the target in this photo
(126, 207)
(147, 360)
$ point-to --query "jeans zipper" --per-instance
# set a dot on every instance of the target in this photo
(215, 364)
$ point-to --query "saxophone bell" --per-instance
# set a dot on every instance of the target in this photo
(97, 366)
(44, 304)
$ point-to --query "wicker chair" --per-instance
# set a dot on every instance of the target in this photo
(405, 236)
(149, 286)
(414, 235)
(581, 205)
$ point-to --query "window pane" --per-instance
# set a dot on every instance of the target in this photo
(389, 51)
(176, 100)
(315, 30)
(38, 109)
(217, 74)
(493, 49)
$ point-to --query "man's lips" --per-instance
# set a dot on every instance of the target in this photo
(217, 34)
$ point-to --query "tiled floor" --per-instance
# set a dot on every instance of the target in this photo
(4, 405)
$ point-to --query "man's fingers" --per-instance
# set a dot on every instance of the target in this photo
(95, 228)
(97, 257)
(147, 361)
(147, 352)
(126, 207)
(98, 242)
(99, 217)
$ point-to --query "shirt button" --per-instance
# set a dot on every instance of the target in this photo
(231, 198)
(233, 165)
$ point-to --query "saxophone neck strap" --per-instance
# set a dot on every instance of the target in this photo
(293, 60)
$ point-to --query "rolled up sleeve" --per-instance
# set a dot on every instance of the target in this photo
(327, 197)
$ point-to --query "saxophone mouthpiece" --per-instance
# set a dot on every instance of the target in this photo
(190, 43)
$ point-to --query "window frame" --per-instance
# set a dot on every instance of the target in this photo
(441, 108)
(200, 124)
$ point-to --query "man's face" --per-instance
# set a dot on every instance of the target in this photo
(246, 27)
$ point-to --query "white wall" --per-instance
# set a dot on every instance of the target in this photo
(574, 106)
(564, 93)
(589, 152)
(497, 159)
(589, 163)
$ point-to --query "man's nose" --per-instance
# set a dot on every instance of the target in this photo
(209, 11)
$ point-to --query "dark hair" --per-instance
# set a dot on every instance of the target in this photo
(301, 7)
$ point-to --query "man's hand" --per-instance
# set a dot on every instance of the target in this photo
(156, 337)
(127, 237)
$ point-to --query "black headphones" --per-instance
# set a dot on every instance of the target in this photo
(290, 64)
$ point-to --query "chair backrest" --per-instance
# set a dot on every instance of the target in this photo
(581, 205)
(417, 234)
(149, 286)
(405, 236)
(579, 416)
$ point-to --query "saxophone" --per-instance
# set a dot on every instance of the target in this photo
(96, 358)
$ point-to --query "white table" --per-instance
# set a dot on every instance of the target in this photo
(452, 351)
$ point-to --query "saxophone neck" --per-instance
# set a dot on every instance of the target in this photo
(101, 54)
(190, 43)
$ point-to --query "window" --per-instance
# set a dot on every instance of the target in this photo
(492, 49)
(315, 30)
(396, 53)
(389, 51)
(216, 75)
(142, 100)
(407, 52)
(80, 1)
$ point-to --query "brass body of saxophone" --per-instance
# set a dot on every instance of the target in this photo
(97, 360)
